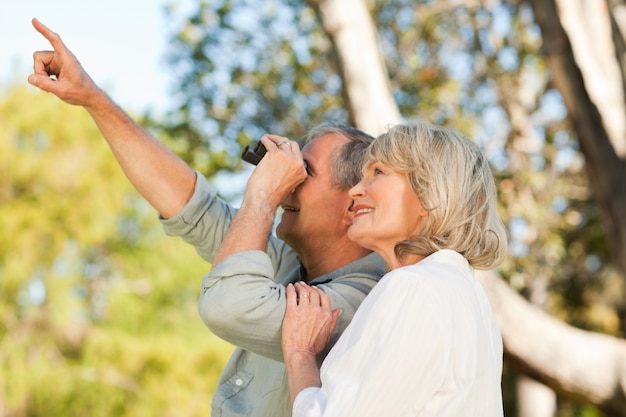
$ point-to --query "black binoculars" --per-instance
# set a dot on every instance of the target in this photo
(254, 154)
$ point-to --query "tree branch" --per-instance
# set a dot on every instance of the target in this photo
(578, 364)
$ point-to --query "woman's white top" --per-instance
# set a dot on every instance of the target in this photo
(425, 342)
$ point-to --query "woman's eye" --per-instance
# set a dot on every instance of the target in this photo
(306, 168)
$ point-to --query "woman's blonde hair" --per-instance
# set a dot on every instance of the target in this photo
(454, 183)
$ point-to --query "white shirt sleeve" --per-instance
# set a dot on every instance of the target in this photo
(310, 402)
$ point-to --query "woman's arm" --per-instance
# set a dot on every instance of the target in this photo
(309, 322)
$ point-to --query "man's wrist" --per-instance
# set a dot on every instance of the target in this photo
(259, 206)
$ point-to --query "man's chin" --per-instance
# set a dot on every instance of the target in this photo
(282, 230)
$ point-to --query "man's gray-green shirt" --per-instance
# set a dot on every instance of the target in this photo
(243, 302)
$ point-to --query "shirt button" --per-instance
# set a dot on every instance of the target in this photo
(238, 382)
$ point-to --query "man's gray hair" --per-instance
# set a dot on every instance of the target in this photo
(347, 160)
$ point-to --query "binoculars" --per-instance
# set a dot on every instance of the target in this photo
(254, 154)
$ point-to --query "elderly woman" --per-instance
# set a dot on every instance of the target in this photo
(425, 341)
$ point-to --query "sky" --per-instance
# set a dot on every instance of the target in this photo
(120, 43)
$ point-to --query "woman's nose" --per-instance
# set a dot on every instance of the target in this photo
(357, 190)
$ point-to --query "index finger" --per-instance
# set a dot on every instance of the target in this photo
(275, 138)
(292, 297)
(52, 37)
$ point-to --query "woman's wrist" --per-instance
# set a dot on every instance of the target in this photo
(302, 371)
(300, 357)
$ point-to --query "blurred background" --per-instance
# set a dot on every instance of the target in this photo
(98, 307)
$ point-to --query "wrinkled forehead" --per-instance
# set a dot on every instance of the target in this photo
(328, 140)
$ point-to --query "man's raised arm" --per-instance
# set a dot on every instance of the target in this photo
(157, 173)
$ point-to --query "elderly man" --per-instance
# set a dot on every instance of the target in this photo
(243, 297)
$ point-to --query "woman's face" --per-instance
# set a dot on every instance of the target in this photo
(386, 211)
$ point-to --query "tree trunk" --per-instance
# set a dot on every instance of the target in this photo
(588, 27)
(361, 65)
(534, 399)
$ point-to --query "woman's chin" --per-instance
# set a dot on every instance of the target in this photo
(357, 236)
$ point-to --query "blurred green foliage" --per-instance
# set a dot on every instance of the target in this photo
(97, 306)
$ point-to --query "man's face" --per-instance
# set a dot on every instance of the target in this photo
(316, 213)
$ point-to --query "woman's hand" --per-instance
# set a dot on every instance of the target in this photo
(309, 321)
